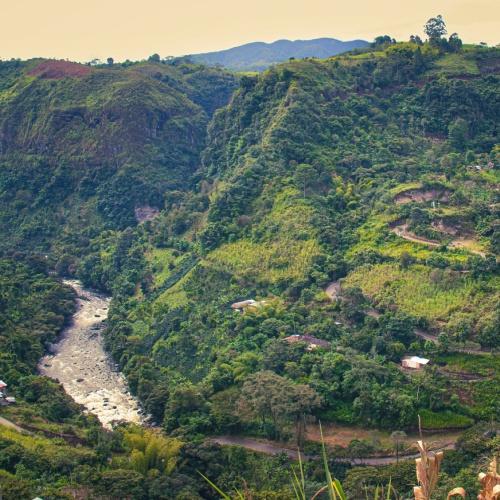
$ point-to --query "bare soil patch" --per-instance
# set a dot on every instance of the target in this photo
(340, 435)
(55, 70)
(145, 213)
(419, 195)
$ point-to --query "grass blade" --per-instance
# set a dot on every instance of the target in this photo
(216, 488)
(331, 491)
(389, 488)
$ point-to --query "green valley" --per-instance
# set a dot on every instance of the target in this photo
(183, 191)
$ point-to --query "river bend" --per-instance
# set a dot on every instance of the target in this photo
(81, 365)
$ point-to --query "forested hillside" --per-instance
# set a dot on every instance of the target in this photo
(82, 147)
(354, 199)
(305, 171)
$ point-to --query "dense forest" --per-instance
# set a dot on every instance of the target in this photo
(353, 199)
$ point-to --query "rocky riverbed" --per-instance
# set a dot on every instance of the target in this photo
(81, 365)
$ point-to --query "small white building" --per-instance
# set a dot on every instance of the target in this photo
(3, 385)
(414, 362)
(245, 304)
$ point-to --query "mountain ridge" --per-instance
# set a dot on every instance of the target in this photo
(257, 56)
(358, 172)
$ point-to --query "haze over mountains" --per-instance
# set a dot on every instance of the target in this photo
(275, 246)
(257, 56)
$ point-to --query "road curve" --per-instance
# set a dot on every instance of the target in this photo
(270, 448)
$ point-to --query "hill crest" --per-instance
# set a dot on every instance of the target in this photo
(258, 56)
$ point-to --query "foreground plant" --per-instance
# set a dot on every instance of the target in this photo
(427, 468)
(490, 482)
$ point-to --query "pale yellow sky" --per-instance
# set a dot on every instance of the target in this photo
(85, 29)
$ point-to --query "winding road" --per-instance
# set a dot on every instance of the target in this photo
(457, 243)
(270, 448)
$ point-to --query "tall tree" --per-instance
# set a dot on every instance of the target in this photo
(435, 28)
(266, 395)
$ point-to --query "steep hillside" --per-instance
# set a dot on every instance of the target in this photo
(257, 56)
(353, 201)
(82, 147)
(353, 168)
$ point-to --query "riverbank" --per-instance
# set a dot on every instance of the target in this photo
(78, 361)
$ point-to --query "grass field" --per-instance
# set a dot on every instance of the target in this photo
(162, 261)
(375, 236)
(421, 291)
(269, 262)
(481, 395)
(285, 248)
(444, 420)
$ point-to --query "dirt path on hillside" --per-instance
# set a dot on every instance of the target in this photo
(273, 448)
(458, 243)
(12, 425)
(333, 290)
(466, 244)
(81, 365)
(402, 232)
(433, 338)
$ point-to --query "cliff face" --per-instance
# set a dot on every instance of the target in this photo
(109, 138)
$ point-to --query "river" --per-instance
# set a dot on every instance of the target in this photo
(81, 365)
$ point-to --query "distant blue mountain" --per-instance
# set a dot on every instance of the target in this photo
(257, 56)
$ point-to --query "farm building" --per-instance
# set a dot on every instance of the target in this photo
(414, 362)
(312, 342)
(4, 399)
(244, 304)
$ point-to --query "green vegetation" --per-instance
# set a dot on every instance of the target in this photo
(443, 298)
(119, 138)
(34, 310)
(444, 420)
(372, 174)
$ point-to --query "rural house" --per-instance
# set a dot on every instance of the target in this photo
(244, 304)
(414, 362)
(4, 399)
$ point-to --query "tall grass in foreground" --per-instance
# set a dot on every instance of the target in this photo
(333, 486)
(427, 470)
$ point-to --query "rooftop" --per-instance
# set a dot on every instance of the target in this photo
(417, 359)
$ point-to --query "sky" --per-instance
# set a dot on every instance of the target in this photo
(82, 30)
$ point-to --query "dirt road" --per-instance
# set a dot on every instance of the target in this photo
(467, 244)
(12, 425)
(271, 448)
(403, 232)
